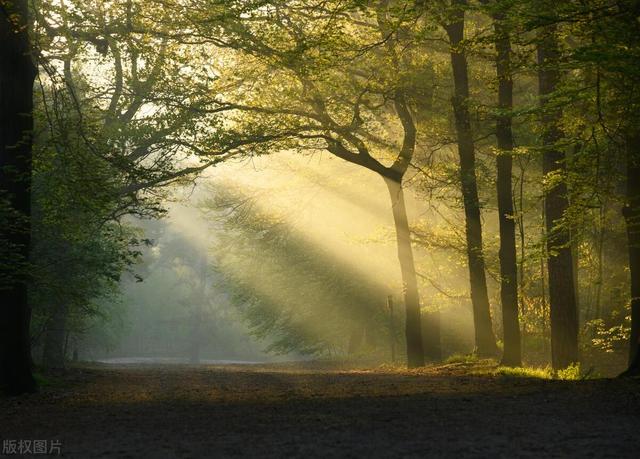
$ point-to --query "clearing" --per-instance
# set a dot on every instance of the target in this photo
(312, 409)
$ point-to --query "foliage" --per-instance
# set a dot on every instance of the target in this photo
(174, 310)
(133, 97)
(609, 339)
(571, 373)
(295, 296)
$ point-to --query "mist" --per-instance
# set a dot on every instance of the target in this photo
(178, 306)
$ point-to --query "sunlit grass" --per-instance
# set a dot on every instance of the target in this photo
(571, 373)
(524, 372)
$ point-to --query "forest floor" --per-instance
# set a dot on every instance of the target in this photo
(320, 410)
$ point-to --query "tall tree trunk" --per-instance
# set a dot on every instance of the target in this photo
(512, 354)
(631, 213)
(563, 309)
(17, 75)
(54, 342)
(391, 328)
(543, 285)
(413, 331)
(631, 209)
(431, 336)
(485, 340)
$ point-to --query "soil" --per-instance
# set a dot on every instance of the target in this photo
(322, 410)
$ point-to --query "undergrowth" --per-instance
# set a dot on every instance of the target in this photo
(571, 373)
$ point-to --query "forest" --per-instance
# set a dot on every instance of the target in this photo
(348, 218)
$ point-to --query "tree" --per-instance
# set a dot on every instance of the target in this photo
(336, 100)
(17, 74)
(631, 214)
(110, 150)
(630, 77)
(512, 353)
(564, 314)
(80, 246)
(485, 339)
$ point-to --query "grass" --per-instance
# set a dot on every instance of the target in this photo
(571, 373)
(47, 380)
(524, 372)
(42, 380)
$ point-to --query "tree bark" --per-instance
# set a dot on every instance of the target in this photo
(393, 176)
(54, 342)
(392, 328)
(563, 308)
(413, 329)
(631, 212)
(485, 340)
(512, 353)
(431, 336)
(17, 75)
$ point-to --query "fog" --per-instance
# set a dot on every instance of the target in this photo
(202, 293)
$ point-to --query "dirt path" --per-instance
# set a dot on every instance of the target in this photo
(282, 411)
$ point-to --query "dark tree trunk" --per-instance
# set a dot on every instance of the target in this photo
(431, 336)
(512, 354)
(631, 209)
(392, 328)
(17, 74)
(55, 339)
(632, 217)
(563, 309)
(485, 340)
(413, 331)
